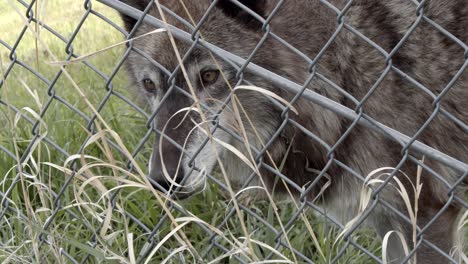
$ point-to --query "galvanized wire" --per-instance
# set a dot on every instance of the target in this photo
(355, 115)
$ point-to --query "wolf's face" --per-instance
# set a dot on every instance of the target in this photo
(192, 93)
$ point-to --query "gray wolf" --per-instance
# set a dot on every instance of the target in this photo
(428, 59)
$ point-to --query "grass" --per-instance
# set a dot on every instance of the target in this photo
(85, 206)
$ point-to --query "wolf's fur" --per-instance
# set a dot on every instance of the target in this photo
(428, 57)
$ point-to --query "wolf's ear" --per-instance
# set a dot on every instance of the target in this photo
(129, 22)
(233, 10)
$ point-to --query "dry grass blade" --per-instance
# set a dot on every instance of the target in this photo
(163, 240)
(98, 204)
(88, 56)
(166, 175)
(131, 250)
(273, 250)
(385, 244)
(364, 199)
(204, 119)
(33, 94)
(272, 261)
(266, 93)
(226, 255)
(459, 249)
(235, 106)
(412, 209)
(173, 253)
(235, 151)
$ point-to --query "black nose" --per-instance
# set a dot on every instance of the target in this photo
(161, 185)
(164, 186)
(159, 182)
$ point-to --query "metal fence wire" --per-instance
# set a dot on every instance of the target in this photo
(19, 184)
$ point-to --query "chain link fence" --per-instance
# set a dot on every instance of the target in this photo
(58, 203)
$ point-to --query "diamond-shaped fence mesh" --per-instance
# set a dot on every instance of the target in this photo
(347, 119)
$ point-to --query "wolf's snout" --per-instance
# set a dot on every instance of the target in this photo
(165, 171)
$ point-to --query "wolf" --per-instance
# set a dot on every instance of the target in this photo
(399, 62)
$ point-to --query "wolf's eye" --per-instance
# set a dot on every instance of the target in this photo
(209, 76)
(149, 85)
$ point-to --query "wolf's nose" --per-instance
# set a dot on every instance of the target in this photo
(159, 181)
(162, 185)
(168, 188)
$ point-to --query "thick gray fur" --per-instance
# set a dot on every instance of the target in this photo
(428, 56)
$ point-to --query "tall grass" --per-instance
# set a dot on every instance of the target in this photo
(87, 219)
